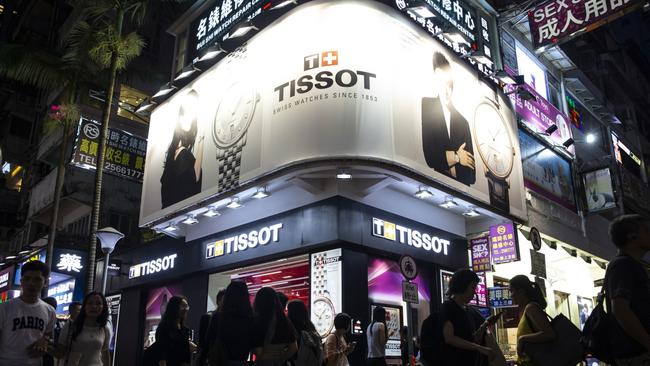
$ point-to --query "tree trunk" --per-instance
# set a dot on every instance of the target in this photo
(60, 177)
(99, 172)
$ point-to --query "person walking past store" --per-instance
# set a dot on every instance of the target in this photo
(627, 290)
(377, 336)
(74, 309)
(274, 337)
(534, 326)
(459, 322)
(310, 350)
(233, 336)
(336, 347)
(172, 336)
(204, 326)
(26, 322)
(85, 340)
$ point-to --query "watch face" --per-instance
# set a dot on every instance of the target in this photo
(234, 114)
(493, 140)
(323, 318)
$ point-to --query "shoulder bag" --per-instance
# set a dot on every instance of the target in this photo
(565, 350)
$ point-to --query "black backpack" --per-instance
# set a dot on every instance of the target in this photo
(597, 332)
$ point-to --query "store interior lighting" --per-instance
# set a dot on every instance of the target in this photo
(471, 213)
(190, 220)
(421, 11)
(187, 72)
(282, 4)
(344, 174)
(164, 90)
(243, 29)
(449, 203)
(212, 212)
(234, 203)
(211, 53)
(261, 193)
(423, 193)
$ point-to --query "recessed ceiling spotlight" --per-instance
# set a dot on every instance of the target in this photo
(449, 203)
(423, 193)
(261, 193)
(234, 203)
(190, 220)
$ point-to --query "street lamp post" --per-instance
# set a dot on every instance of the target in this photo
(108, 237)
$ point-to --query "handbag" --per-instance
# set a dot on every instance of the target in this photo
(565, 350)
(273, 351)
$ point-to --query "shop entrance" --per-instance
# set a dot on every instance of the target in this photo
(289, 276)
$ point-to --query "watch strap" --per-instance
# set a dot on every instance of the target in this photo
(229, 161)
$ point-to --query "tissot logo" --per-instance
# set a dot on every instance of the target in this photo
(324, 79)
(244, 241)
(153, 266)
(404, 235)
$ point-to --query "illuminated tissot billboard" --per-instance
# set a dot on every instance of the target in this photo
(334, 79)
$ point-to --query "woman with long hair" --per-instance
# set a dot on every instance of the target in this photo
(377, 336)
(337, 348)
(172, 336)
(182, 174)
(460, 323)
(310, 350)
(232, 327)
(274, 339)
(85, 340)
(534, 326)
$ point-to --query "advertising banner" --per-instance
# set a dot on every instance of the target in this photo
(553, 20)
(546, 172)
(125, 153)
(480, 298)
(503, 242)
(540, 114)
(326, 289)
(394, 323)
(599, 190)
(114, 316)
(156, 305)
(500, 297)
(445, 278)
(333, 93)
(68, 277)
(480, 248)
(5, 278)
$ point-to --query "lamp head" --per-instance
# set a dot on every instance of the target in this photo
(108, 237)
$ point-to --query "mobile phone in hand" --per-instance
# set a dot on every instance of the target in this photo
(494, 318)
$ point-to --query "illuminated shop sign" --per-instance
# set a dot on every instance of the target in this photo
(5, 277)
(62, 292)
(417, 239)
(153, 266)
(620, 146)
(68, 262)
(241, 242)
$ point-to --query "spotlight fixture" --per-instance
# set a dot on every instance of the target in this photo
(211, 212)
(10, 257)
(261, 193)
(23, 252)
(550, 129)
(505, 78)
(171, 228)
(211, 52)
(145, 106)
(242, 29)
(186, 72)
(164, 90)
(234, 203)
(449, 203)
(423, 193)
(568, 142)
(590, 138)
(344, 174)
(523, 93)
(455, 37)
(471, 213)
(190, 220)
(478, 56)
(282, 4)
(421, 11)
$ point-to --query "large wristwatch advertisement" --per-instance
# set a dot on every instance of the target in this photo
(325, 289)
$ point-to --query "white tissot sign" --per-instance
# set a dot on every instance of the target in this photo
(244, 241)
(153, 266)
(404, 235)
(326, 287)
(385, 91)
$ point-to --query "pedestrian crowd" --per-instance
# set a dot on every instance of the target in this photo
(272, 331)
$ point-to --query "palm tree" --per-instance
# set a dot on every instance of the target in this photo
(58, 69)
(112, 51)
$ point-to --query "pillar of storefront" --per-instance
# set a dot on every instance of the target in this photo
(129, 340)
(195, 290)
(355, 299)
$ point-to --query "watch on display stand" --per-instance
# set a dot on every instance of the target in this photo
(495, 146)
(323, 308)
(231, 121)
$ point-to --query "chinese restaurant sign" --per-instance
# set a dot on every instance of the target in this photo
(480, 254)
(553, 20)
(503, 243)
(125, 153)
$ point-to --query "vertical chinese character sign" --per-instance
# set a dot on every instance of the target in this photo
(503, 243)
(555, 19)
(480, 248)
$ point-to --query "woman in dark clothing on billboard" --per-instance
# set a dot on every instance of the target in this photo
(181, 177)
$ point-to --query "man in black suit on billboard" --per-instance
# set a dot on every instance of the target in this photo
(446, 137)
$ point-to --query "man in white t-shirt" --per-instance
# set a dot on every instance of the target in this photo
(26, 322)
